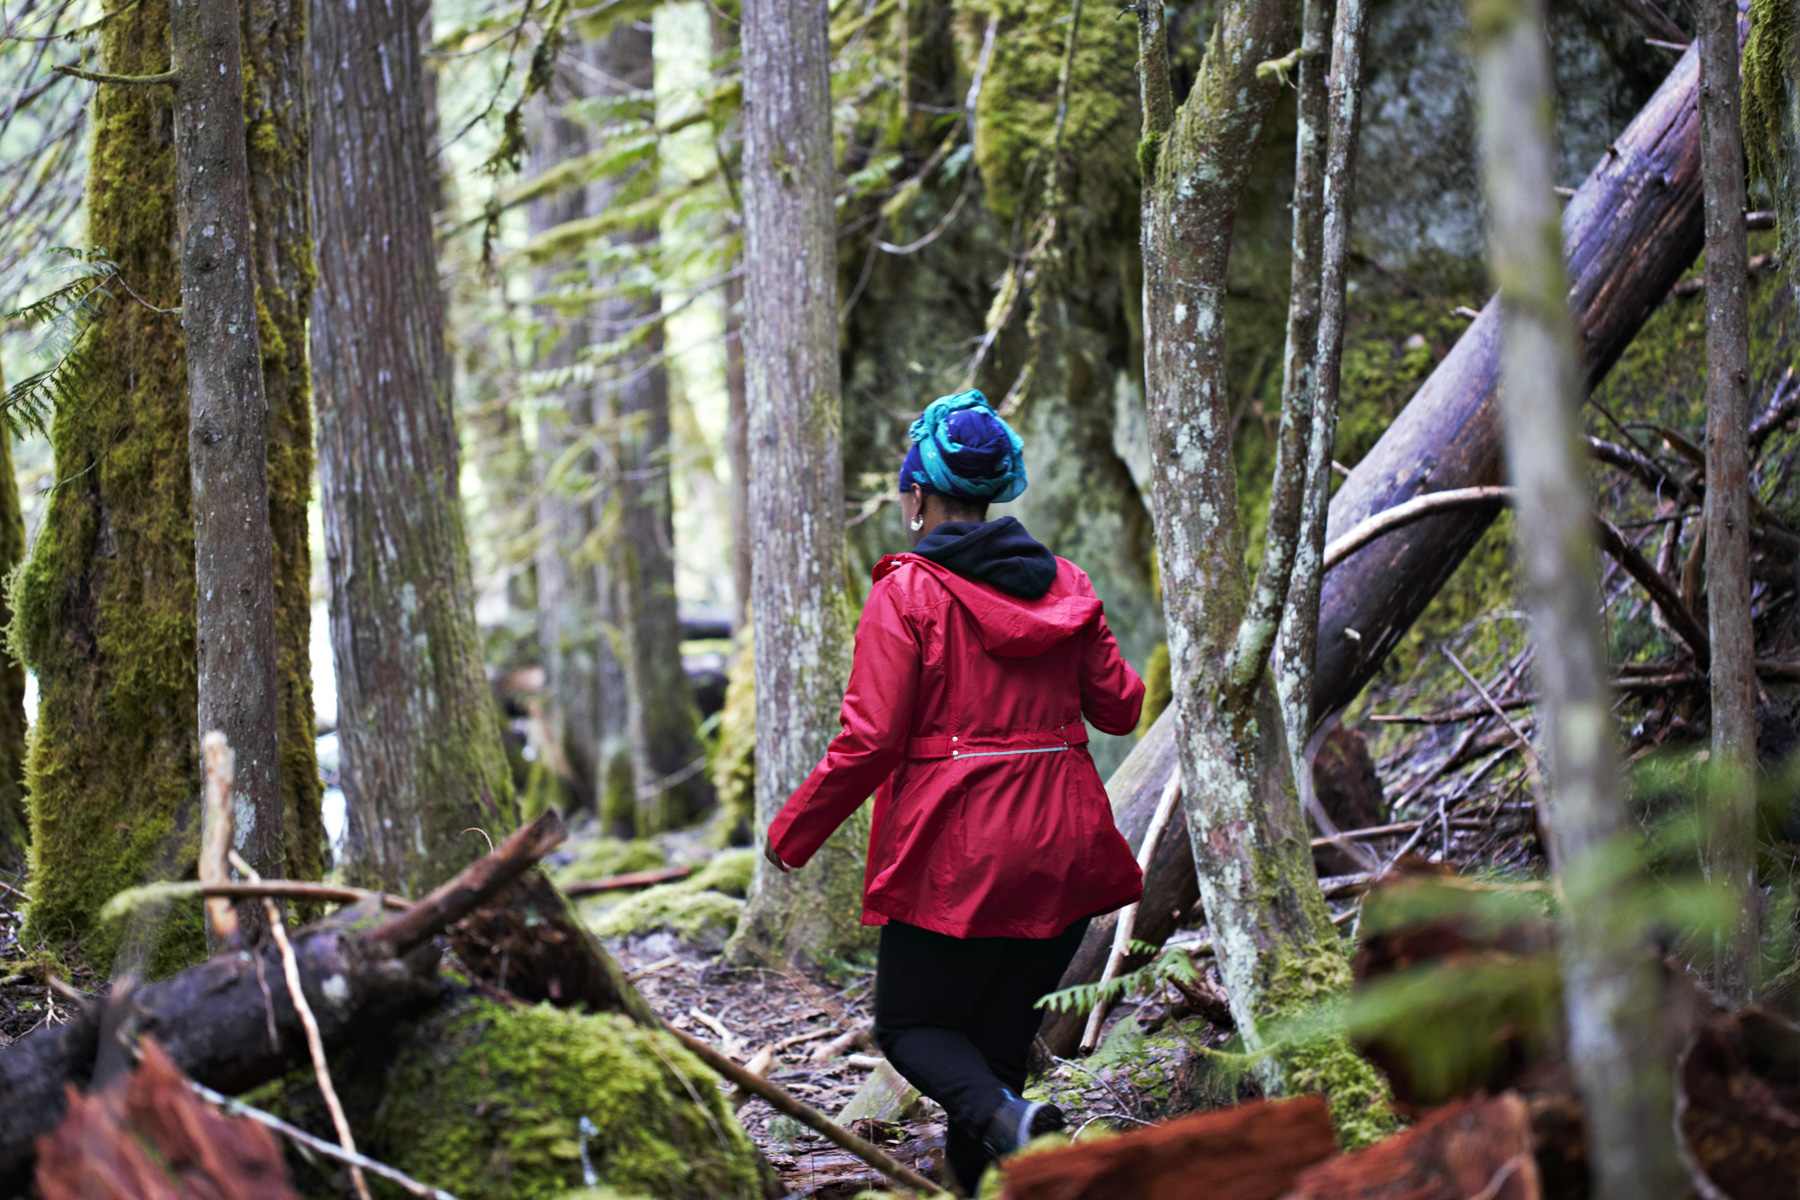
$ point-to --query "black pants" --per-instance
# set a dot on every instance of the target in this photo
(955, 1017)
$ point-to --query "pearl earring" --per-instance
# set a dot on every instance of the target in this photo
(918, 522)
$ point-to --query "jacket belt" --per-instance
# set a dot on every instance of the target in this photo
(953, 746)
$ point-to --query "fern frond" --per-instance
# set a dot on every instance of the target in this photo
(66, 313)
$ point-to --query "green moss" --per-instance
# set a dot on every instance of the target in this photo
(610, 856)
(105, 604)
(703, 908)
(489, 1101)
(1015, 116)
(1158, 690)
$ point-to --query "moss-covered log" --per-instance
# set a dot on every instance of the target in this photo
(106, 600)
(418, 723)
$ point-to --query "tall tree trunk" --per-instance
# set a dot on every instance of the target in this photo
(800, 603)
(672, 786)
(1610, 973)
(106, 601)
(417, 721)
(1731, 835)
(578, 657)
(227, 424)
(274, 47)
(1299, 646)
(15, 827)
(1279, 954)
(731, 294)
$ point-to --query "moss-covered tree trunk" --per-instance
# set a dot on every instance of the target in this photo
(671, 784)
(1279, 954)
(417, 722)
(800, 603)
(274, 54)
(15, 828)
(227, 424)
(1611, 984)
(106, 602)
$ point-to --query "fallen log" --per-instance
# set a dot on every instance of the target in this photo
(1631, 230)
(1251, 1151)
(1461, 1151)
(228, 1022)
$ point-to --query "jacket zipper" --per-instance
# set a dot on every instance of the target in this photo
(999, 753)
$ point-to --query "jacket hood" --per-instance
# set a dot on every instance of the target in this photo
(1011, 625)
(997, 552)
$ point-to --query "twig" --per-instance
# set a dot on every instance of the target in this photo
(277, 889)
(1380, 831)
(169, 78)
(218, 771)
(1664, 594)
(782, 1102)
(238, 1108)
(631, 879)
(1165, 807)
(1418, 508)
(1531, 758)
(315, 1044)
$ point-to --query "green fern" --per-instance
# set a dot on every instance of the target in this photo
(1173, 964)
(64, 314)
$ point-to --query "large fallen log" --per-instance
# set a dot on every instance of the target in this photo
(229, 1022)
(1631, 230)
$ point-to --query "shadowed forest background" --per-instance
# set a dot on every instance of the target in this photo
(553, 539)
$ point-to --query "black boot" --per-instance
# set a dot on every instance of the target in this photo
(1017, 1121)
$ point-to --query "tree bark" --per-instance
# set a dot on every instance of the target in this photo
(1628, 234)
(731, 294)
(227, 425)
(1278, 951)
(417, 721)
(1730, 847)
(800, 604)
(671, 786)
(1298, 647)
(584, 712)
(106, 600)
(274, 53)
(1610, 972)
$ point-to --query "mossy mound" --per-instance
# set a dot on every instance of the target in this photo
(610, 856)
(490, 1100)
(702, 909)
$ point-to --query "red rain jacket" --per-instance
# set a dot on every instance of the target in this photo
(964, 718)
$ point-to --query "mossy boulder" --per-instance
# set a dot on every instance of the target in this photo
(493, 1100)
(702, 909)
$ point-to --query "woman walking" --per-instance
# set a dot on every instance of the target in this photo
(977, 657)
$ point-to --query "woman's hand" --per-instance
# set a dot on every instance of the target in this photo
(774, 858)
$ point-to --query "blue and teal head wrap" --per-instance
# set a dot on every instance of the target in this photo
(962, 448)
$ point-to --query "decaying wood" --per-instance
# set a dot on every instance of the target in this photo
(147, 1136)
(226, 1027)
(1248, 1152)
(1738, 1107)
(529, 941)
(215, 835)
(461, 894)
(1473, 1150)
